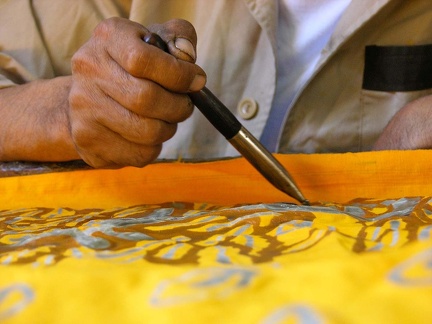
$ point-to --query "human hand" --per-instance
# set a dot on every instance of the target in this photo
(127, 97)
(410, 128)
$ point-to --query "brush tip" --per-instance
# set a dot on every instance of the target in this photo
(305, 202)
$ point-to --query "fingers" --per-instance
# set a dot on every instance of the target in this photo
(127, 96)
(139, 129)
(116, 137)
(99, 154)
(148, 99)
(141, 60)
(180, 37)
(106, 134)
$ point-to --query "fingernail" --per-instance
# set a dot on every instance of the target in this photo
(186, 47)
(198, 83)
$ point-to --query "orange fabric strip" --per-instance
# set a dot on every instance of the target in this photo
(321, 177)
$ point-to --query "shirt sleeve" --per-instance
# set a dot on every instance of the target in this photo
(5, 82)
(23, 54)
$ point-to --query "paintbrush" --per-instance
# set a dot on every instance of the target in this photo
(239, 137)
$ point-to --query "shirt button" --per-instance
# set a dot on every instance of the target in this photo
(247, 108)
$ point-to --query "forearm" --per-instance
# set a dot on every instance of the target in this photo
(34, 123)
(123, 101)
(410, 128)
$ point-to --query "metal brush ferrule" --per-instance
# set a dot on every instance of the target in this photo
(266, 164)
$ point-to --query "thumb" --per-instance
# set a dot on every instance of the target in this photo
(180, 37)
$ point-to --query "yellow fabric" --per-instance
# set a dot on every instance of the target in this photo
(237, 43)
(213, 242)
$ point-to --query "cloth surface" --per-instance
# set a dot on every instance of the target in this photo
(237, 47)
(97, 247)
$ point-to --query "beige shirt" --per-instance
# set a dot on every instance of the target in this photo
(236, 48)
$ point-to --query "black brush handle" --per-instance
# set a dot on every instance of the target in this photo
(228, 125)
(216, 112)
(209, 105)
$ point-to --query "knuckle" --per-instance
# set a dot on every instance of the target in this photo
(106, 27)
(80, 102)
(146, 155)
(85, 131)
(180, 75)
(156, 132)
(81, 137)
(187, 110)
(99, 163)
(182, 109)
(78, 61)
(84, 63)
(135, 61)
(76, 103)
(144, 97)
(141, 156)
